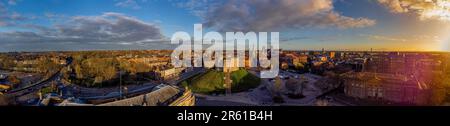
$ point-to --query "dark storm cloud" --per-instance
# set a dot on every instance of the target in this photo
(109, 28)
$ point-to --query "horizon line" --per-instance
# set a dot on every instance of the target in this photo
(103, 50)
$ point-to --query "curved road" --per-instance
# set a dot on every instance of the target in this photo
(34, 87)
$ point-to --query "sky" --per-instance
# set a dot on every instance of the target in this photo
(383, 25)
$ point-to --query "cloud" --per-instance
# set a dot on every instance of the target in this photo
(197, 7)
(2, 14)
(424, 9)
(129, 4)
(384, 38)
(8, 18)
(418, 38)
(284, 39)
(53, 15)
(12, 2)
(393, 5)
(264, 15)
(108, 28)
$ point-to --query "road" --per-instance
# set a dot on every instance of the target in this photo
(133, 90)
(203, 102)
(39, 85)
(34, 87)
(187, 75)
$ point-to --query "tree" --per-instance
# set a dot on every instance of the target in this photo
(277, 90)
(438, 89)
(6, 62)
(284, 66)
(98, 79)
(292, 85)
(47, 66)
(295, 87)
(14, 80)
(299, 66)
(334, 79)
(6, 100)
(278, 84)
(110, 72)
(78, 71)
(100, 69)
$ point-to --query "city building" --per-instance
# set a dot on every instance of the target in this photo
(167, 74)
(386, 87)
(404, 63)
(332, 55)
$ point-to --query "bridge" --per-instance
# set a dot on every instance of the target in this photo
(164, 96)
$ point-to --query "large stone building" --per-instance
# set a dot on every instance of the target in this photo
(386, 87)
(291, 59)
(167, 74)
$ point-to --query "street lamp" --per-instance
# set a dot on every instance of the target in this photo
(120, 84)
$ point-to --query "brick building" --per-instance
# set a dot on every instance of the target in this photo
(386, 87)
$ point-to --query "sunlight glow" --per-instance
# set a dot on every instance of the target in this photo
(441, 11)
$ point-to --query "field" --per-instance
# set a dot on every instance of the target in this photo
(213, 82)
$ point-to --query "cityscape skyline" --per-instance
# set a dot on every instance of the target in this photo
(224, 61)
(340, 25)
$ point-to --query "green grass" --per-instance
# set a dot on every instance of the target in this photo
(47, 90)
(243, 80)
(212, 82)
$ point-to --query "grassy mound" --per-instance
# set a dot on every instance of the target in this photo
(213, 82)
(243, 80)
